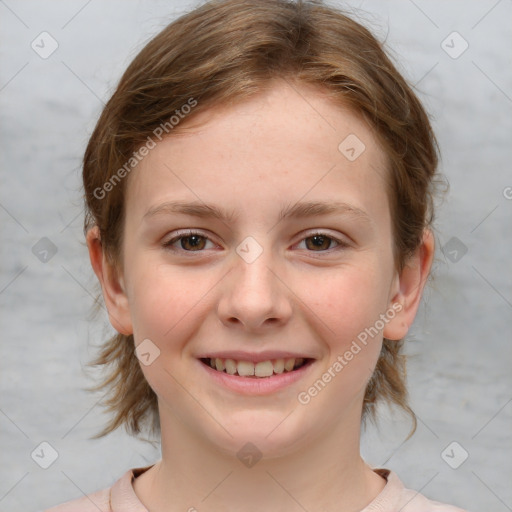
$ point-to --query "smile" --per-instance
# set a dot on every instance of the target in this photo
(260, 369)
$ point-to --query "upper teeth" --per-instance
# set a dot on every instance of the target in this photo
(261, 369)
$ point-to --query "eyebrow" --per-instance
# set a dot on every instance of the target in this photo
(298, 210)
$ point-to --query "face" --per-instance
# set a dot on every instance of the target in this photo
(253, 236)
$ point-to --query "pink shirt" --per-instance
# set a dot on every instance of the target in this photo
(122, 498)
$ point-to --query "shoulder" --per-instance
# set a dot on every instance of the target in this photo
(412, 501)
(96, 502)
(395, 496)
(118, 498)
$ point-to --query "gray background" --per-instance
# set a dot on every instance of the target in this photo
(459, 375)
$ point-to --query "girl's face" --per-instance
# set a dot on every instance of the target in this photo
(290, 256)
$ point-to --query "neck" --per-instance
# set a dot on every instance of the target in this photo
(324, 474)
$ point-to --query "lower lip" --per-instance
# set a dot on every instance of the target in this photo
(257, 385)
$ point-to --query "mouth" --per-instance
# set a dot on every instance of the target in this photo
(258, 370)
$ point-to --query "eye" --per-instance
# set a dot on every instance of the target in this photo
(321, 242)
(191, 241)
(194, 241)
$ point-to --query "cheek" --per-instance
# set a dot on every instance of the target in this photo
(162, 299)
(349, 303)
(167, 307)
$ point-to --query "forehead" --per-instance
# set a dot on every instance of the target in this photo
(288, 142)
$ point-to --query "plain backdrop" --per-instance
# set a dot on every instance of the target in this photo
(459, 372)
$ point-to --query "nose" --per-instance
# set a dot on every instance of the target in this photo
(254, 296)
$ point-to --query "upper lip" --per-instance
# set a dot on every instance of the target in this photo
(254, 357)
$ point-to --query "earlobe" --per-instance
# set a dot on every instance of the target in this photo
(408, 288)
(111, 283)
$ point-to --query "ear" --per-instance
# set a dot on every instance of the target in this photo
(112, 285)
(408, 288)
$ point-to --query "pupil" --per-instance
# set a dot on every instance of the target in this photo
(319, 241)
(193, 241)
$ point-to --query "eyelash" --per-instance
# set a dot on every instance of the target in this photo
(168, 244)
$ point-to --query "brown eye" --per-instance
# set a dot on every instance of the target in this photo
(192, 242)
(189, 242)
(319, 242)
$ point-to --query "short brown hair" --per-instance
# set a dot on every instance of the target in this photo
(225, 51)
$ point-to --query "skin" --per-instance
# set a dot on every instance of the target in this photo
(253, 159)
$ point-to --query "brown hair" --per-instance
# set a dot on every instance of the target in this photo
(226, 51)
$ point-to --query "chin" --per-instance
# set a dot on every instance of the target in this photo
(267, 437)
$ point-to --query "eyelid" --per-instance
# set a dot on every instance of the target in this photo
(341, 243)
(183, 234)
(340, 240)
